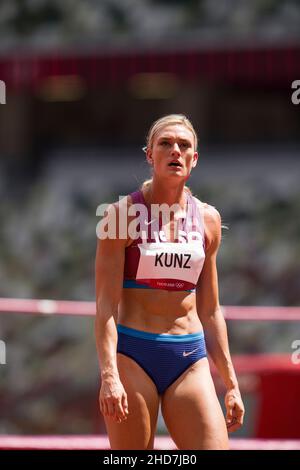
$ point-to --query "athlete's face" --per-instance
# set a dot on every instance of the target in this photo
(173, 152)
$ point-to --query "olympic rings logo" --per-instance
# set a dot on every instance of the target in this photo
(179, 285)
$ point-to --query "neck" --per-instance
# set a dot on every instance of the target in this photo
(161, 192)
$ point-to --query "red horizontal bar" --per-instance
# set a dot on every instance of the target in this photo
(76, 307)
(94, 442)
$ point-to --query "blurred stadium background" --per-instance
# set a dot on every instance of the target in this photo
(84, 80)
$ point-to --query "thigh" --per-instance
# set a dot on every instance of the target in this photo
(138, 431)
(192, 411)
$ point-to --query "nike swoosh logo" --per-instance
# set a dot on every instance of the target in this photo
(185, 354)
(148, 223)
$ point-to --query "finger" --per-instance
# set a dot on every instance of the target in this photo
(240, 420)
(233, 427)
(119, 412)
(125, 404)
(231, 422)
(117, 418)
(238, 415)
(235, 420)
(104, 408)
(229, 415)
(110, 408)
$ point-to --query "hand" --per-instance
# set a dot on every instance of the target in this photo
(234, 410)
(113, 399)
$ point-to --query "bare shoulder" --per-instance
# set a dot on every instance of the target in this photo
(212, 224)
(118, 209)
(121, 205)
(115, 224)
(212, 217)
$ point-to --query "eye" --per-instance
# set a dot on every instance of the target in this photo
(185, 145)
(164, 142)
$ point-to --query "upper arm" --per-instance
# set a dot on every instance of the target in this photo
(109, 266)
(207, 292)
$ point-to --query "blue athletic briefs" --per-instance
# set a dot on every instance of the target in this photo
(163, 357)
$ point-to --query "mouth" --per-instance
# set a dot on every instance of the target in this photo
(175, 163)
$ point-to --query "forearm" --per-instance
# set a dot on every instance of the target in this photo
(217, 344)
(112, 395)
(106, 343)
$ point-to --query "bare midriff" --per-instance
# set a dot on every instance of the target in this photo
(159, 311)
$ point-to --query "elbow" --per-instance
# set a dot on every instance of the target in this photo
(106, 315)
(210, 315)
(106, 308)
(105, 327)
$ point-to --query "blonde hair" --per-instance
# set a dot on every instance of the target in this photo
(170, 119)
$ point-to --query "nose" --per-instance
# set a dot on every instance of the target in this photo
(175, 149)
